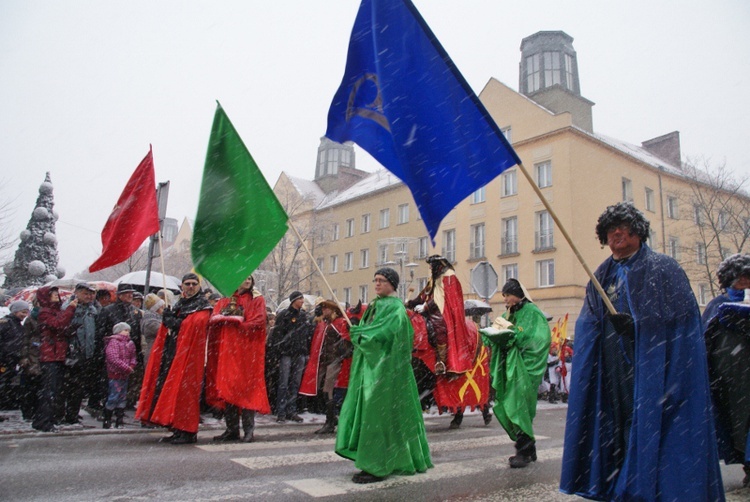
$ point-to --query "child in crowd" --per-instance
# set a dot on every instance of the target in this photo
(121, 360)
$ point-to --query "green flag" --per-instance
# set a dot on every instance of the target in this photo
(239, 219)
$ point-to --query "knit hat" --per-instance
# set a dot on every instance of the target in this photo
(120, 327)
(152, 302)
(390, 275)
(295, 296)
(18, 306)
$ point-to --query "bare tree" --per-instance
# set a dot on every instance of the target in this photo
(721, 216)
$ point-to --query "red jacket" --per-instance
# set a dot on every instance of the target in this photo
(53, 327)
(309, 384)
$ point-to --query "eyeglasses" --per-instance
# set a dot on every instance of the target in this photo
(191, 284)
(380, 281)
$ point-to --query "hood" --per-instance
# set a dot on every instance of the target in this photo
(43, 297)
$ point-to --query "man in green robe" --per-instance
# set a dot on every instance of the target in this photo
(519, 344)
(380, 425)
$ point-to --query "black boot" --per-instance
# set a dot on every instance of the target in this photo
(120, 420)
(552, 394)
(457, 419)
(746, 481)
(487, 414)
(183, 437)
(330, 426)
(232, 418)
(525, 452)
(107, 422)
(248, 425)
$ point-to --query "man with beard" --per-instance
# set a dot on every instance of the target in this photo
(171, 391)
(639, 397)
(235, 372)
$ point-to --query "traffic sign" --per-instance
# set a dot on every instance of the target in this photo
(484, 279)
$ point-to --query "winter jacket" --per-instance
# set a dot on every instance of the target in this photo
(83, 326)
(32, 342)
(11, 340)
(119, 312)
(53, 327)
(293, 332)
(120, 356)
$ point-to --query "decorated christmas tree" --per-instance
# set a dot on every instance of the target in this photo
(36, 258)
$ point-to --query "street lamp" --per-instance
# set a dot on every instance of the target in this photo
(401, 262)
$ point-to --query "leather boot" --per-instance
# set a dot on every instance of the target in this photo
(232, 419)
(746, 481)
(248, 425)
(552, 394)
(120, 420)
(457, 419)
(442, 356)
(330, 426)
(107, 422)
(525, 452)
(183, 437)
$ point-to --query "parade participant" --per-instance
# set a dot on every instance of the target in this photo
(120, 360)
(330, 361)
(639, 394)
(235, 379)
(82, 376)
(152, 311)
(11, 344)
(728, 347)
(517, 366)
(381, 426)
(53, 330)
(172, 384)
(291, 343)
(441, 302)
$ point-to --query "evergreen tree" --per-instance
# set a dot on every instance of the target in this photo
(36, 258)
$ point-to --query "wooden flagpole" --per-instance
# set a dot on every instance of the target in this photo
(163, 275)
(559, 224)
(315, 264)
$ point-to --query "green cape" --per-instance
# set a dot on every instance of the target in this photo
(381, 426)
(517, 369)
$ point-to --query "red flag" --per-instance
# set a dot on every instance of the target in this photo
(134, 218)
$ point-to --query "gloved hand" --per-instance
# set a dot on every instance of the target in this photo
(170, 320)
(623, 324)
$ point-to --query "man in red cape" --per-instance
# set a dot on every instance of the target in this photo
(330, 360)
(171, 390)
(235, 370)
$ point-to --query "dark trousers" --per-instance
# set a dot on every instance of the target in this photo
(80, 380)
(49, 395)
(291, 369)
(30, 389)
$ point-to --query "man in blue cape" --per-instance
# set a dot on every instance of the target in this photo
(639, 423)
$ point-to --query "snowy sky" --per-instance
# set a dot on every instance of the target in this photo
(86, 86)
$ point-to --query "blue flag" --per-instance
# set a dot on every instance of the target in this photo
(404, 101)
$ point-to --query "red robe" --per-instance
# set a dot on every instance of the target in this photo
(309, 384)
(178, 404)
(462, 345)
(235, 371)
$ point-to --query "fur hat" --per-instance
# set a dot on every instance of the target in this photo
(390, 275)
(732, 268)
(120, 327)
(152, 302)
(622, 213)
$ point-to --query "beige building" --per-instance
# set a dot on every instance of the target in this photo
(357, 222)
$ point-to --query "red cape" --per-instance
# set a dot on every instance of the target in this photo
(235, 371)
(178, 405)
(462, 345)
(309, 384)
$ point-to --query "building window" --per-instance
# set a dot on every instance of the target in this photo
(672, 211)
(321, 264)
(533, 73)
(424, 247)
(385, 218)
(568, 70)
(510, 271)
(510, 183)
(363, 293)
(650, 206)
(348, 296)
(627, 190)
(476, 249)
(382, 253)
(348, 261)
(335, 232)
(544, 238)
(723, 220)
(543, 174)
(478, 196)
(403, 214)
(673, 247)
(334, 264)
(700, 253)
(507, 133)
(545, 273)
(365, 223)
(509, 242)
(364, 258)
(552, 74)
(350, 227)
(449, 245)
(702, 294)
(651, 240)
(698, 215)
(725, 253)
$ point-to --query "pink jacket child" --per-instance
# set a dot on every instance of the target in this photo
(120, 354)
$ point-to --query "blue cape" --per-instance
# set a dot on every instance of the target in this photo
(672, 452)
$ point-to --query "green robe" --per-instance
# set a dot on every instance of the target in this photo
(517, 369)
(381, 426)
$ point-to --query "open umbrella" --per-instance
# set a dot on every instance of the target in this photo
(476, 307)
(137, 279)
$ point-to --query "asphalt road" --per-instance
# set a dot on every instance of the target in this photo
(286, 463)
